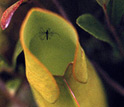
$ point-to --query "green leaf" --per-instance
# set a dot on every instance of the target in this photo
(102, 2)
(51, 47)
(86, 94)
(51, 54)
(65, 98)
(13, 86)
(3, 63)
(17, 51)
(54, 53)
(88, 23)
(117, 11)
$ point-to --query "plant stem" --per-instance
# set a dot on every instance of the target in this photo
(113, 31)
(60, 8)
(108, 80)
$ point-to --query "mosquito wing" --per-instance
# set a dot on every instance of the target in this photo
(42, 35)
(53, 34)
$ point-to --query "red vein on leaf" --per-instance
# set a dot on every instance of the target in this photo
(71, 93)
(8, 13)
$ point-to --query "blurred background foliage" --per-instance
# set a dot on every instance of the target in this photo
(14, 88)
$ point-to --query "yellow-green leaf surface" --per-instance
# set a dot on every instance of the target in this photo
(80, 66)
(51, 47)
(65, 98)
(90, 94)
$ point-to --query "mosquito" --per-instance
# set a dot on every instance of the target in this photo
(46, 34)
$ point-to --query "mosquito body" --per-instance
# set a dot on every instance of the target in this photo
(46, 34)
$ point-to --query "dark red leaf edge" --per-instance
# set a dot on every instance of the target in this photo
(8, 13)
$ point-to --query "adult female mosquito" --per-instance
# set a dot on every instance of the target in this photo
(46, 34)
